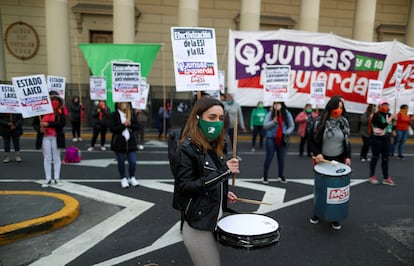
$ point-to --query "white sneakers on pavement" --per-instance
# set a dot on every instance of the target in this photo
(126, 182)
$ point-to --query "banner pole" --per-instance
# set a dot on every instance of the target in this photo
(79, 86)
(164, 94)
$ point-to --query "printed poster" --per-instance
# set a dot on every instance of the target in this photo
(97, 87)
(8, 100)
(125, 81)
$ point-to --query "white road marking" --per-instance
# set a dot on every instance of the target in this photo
(106, 162)
(83, 242)
(133, 208)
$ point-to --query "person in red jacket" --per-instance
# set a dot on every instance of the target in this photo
(401, 131)
(305, 120)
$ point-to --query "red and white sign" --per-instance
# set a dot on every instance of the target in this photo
(337, 195)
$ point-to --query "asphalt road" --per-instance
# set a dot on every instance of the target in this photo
(137, 226)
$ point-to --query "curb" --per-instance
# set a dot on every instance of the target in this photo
(67, 214)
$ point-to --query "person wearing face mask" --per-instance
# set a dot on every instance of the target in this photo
(305, 120)
(100, 117)
(256, 124)
(201, 171)
(330, 140)
(50, 137)
(402, 124)
(279, 125)
(124, 143)
(381, 124)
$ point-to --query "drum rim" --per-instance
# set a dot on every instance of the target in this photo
(346, 167)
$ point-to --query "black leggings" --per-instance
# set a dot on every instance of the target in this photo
(380, 146)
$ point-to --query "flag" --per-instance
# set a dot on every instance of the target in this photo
(99, 58)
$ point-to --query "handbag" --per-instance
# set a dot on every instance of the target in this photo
(285, 139)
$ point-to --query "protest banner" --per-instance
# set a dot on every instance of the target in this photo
(8, 100)
(195, 59)
(97, 87)
(58, 84)
(346, 65)
(33, 95)
(125, 81)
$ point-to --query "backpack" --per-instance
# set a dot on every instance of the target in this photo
(174, 137)
(72, 155)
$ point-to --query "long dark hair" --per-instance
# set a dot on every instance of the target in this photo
(332, 104)
(192, 130)
(282, 111)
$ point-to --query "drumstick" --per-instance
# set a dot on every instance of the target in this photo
(252, 201)
(233, 180)
(327, 161)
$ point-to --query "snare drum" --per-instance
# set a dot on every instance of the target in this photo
(331, 191)
(248, 230)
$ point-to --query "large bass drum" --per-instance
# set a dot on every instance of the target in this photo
(248, 231)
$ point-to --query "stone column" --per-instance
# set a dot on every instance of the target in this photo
(364, 20)
(409, 36)
(309, 15)
(124, 21)
(188, 13)
(58, 39)
(2, 59)
(250, 15)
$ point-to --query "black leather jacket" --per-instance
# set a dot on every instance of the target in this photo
(200, 185)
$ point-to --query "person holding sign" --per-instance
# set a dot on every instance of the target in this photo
(50, 137)
(329, 140)
(100, 117)
(279, 125)
(11, 130)
(123, 142)
(381, 142)
(305, 120)
(201, 172)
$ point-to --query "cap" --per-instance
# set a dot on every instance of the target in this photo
(383, 101)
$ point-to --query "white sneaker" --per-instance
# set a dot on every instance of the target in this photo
(74, 139)
(90, 149)
(133, 182)
(80, 139)
(58, 182)
(124, 182)
(47, 183)
(103, 148)
(140, 147)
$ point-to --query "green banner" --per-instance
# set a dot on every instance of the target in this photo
(99, 58)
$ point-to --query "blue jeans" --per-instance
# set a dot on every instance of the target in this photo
(280, 150)
(399, 140)
(132, 162)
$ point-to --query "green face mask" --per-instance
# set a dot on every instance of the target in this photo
(230, 102)
(211, 130)
(309, 110)
(260, 105)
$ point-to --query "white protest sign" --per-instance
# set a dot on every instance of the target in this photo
(222, 80)
(195, 59)
(318, 92)
(97, 87)
(33, 95)
(276, 83)
(125, 81)
(374, 94)
(142, 100)
(58, 84)
(398, 79)
(8, 100)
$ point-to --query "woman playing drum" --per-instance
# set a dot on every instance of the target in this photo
(201, 173)
(330, 139)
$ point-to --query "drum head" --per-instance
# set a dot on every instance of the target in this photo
(332, 169)
(248, 224)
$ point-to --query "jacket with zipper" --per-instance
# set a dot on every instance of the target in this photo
(200, 186)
